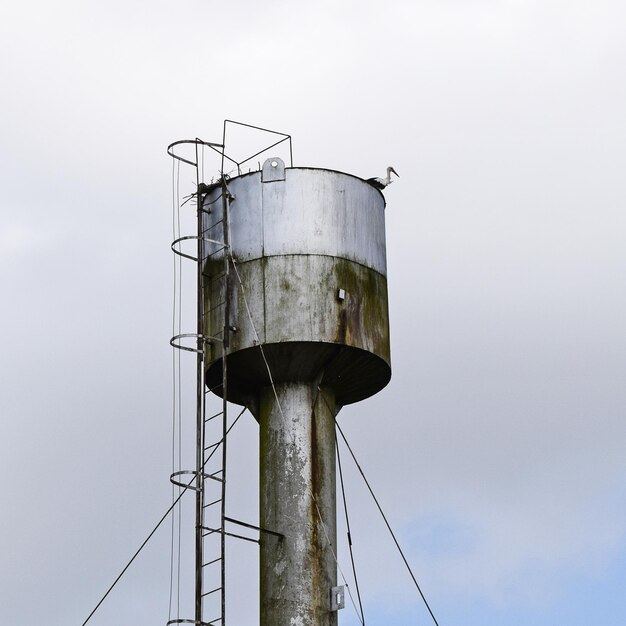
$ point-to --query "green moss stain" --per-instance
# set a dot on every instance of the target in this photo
(362, 318)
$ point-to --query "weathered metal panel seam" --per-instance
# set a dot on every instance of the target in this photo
(328, 256)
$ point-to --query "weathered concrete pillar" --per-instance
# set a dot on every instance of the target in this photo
(297, 500)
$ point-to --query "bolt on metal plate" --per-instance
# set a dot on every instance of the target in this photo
(273, 170)
(337, 598)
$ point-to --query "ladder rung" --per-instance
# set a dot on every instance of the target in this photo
(210, 531)
(219, 558)
(208, 229)
(214, 477)
(212, 278)
(216, 242)
(208, 419)
(217, 277)
(212, 226)
(207, 315)
(206, 506)
(208, 593)
(216, 251)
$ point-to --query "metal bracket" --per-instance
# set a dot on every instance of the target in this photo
(176, 343)
(337, 598)
(221, 245)
(262, 530)
(273, 170)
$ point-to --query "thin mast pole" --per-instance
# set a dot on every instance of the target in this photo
(225, 346)
(199, 408)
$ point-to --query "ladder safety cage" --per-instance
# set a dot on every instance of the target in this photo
(208, 479)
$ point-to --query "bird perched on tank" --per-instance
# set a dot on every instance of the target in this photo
(381, 183)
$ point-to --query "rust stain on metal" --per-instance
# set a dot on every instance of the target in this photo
(342, 328)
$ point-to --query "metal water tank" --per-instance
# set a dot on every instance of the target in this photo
(309, 249)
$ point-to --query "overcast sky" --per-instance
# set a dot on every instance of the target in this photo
(498, 448)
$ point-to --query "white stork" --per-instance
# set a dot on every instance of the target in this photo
(381, 183)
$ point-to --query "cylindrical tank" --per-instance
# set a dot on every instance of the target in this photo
(308, 285)
(310, 250)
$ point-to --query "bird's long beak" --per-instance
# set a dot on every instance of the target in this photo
(394, 171)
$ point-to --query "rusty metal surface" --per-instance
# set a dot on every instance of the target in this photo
(297, 242)
(297, 467)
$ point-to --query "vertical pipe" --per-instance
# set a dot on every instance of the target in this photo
(297, 499)
(199, 409)
(225, 345)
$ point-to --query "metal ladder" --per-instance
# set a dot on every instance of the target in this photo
(208, 480)
(213, 279)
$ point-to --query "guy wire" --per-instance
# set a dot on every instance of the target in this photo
(393, 536)
(345, 508)
(163, 518)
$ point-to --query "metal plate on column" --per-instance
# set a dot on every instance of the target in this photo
(337, 598)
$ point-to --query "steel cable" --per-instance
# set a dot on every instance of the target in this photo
(137, 553)
(171, 508)
(345, 508)
(393, 536)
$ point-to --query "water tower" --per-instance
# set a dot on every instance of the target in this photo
(292, 323)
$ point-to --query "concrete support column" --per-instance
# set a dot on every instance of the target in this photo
(297, 488)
